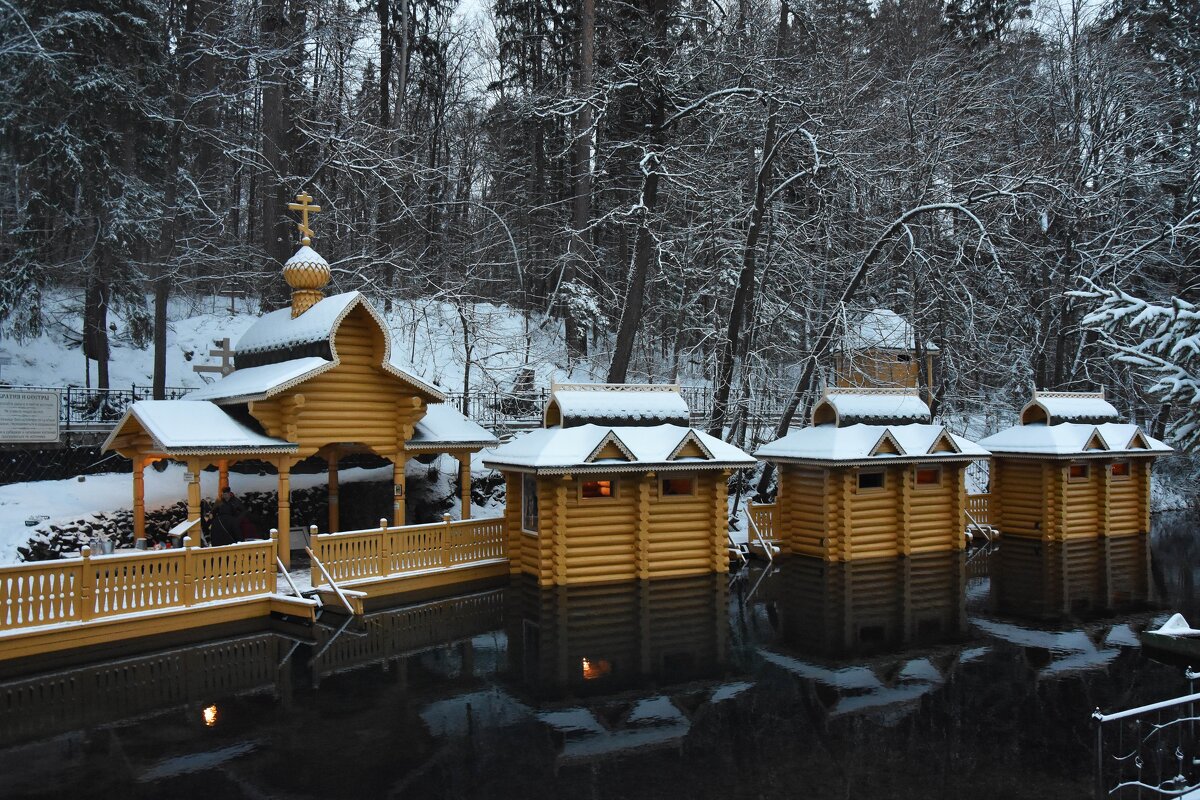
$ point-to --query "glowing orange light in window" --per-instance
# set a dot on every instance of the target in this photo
(210, 716)
(595, 669)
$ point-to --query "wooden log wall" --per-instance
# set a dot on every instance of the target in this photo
(802, 510)
(1019, 495)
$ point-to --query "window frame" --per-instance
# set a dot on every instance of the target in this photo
(528, 478)
(662, 483)
(1087, 472)
(928, 487)
(1128, 476)
(613, 480)
(881, 472)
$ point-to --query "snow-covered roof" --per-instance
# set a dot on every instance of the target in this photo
(870, 444)
(444, 427)
(882, 329)
(558, 450)
(1074, 440)
(254, 383)
(616, 404)
(871, 407)
(292, 339)
(1052, 407)
(306, 255)
(195, 427)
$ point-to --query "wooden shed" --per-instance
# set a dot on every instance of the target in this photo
(880, 350)
(318, 378)
(1071, 469)
(595, 502)
(870, 478)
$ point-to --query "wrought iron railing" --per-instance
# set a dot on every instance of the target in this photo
(81, 408)
(1150, 751)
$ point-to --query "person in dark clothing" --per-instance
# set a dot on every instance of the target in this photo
(227, 520)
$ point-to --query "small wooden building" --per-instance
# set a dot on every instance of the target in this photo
(870, 478)
(319, 378)
(880, 350)
(594, 501)
(1071, 470)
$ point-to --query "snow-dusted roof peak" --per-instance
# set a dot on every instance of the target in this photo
(306, 256)
(1074, 440)
(443, 426)
(195, 427)
(881, 329)
(1054, 407)
(868, 444)
(572, 404)
(871, 407)
(253, 383)
(643, 448)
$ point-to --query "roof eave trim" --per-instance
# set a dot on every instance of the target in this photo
(600, 469)
(875, 460)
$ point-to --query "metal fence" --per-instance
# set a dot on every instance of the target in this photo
(83, 409)
(1150, 751)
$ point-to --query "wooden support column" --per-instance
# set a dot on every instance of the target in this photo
(1141, 468)
(139, 497)
(193, 489)
(1103, 500)
(995, 504)
(906, 475)
(831, 492)
(398, 487)
(285, 511)
(846, 520)
(513, 508)
(958, 498)
(222, 476)
(334, 508)
(641, 531)
(720, 550)
(464, 481)
(558, 538)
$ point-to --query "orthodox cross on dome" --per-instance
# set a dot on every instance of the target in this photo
(305, 207)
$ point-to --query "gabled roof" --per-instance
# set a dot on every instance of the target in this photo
(567, 450)
(293, 345)
(193, 427)
(572, 404)
(859, 444)
(1071, 440)
(882, 329)
(444, 427)
(870, 407)
(1054, 407)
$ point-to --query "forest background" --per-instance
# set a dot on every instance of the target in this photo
(688, 190)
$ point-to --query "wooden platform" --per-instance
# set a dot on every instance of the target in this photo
(367, 594)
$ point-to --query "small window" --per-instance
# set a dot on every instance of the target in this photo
(904, 357)
(929, 476)
(1078, 472)
(870, 480)
(1120, 469)
(529, 503)
(674, 487)
(590, 490)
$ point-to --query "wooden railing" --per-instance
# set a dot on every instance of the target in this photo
(87, 588)
(766, 518)
(979, 506)
(390, 551)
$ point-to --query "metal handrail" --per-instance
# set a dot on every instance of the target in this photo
(337, 589)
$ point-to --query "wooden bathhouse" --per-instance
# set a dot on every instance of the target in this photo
(317, 378)
(616, 487)
(870, 478)
(1071, 469)
(879, 350)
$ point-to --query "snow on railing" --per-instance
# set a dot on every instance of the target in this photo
(1149, 751)
(87, 588)
(392, 551)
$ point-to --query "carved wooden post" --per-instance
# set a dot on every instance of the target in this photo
(274, 535)
(193, 488)
(139, 497)
(446, 540)
(398, 488)
(284, 521)
(385, 548)
(188, 592)
(464, 478)
(642, 530)
(222, 475)
(334, 514)
(906, 475)
(86, 581)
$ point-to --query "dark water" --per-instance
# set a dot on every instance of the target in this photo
(902, 679)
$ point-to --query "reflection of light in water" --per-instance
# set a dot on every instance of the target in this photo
(210, 716)
(595, 669)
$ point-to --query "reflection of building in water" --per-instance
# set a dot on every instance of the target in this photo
(870, 606)
(1075, 578)
(585, 640)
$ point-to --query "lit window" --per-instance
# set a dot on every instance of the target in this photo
(593, 489)
(1120, 469)
(595, 668)
(929, 476)
(870, 480)
(1078, 472)
(678, 486)
(529, 503)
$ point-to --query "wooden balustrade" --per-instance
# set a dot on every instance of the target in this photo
(979, 507)
(391, 551)
(87, 588)
(765, 517)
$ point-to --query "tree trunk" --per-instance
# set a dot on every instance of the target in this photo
(581, 208)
